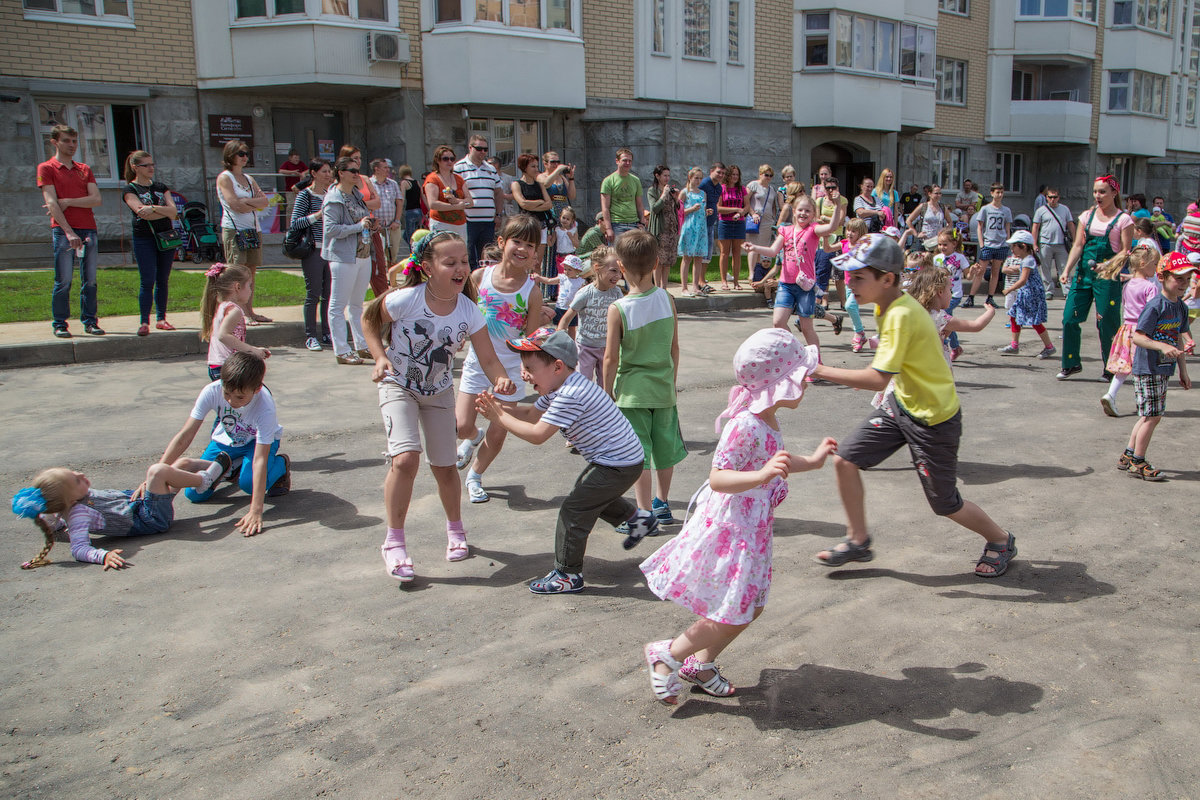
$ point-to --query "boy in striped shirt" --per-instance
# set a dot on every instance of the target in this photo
(590, 420)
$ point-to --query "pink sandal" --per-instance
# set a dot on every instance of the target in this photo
(456, 548)
(666, 687)
(398, 564)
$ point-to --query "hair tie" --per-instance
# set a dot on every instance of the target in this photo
(215, 270)
(29, 502)
(410, 266)
(1111, 181)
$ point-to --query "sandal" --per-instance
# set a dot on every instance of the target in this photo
(716, 686)
(856, 344)
(260, 318)
(456, 548)
(666, 687)
(1143, 470)
(1124, 462)
(398, 564)
(163, 325)
(998, 562)
(853, 552)
(836, 321)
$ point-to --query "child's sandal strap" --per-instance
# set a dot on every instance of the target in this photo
(717, 685)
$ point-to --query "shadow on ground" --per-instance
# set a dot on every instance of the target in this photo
(1025, 582)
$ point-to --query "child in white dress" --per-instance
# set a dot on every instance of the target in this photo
(719, 566)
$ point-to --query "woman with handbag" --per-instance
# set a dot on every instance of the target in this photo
(765, 205)
(240, 198)
(154, 236)
(307, 220)
(346, 245)
(663, 221)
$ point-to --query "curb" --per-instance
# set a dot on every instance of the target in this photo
(172, 344)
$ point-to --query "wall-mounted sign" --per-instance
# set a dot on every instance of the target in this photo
(224, 128)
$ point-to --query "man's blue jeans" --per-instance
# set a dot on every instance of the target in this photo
(64, 262)
(479, 235)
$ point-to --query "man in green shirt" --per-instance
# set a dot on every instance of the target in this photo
(621, 198)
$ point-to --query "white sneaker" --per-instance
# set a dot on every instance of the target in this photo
(466, 450)
(475, 492)
(1109, 404)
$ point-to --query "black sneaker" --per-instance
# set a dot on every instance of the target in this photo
(969, 302)
(643, 525)
(62, 333)
(558, 582)
(284, 484)
(93, 329)
(1067, 372)
(989, 301)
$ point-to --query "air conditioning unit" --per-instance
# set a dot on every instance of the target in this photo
(387, 46)
(1065, 94)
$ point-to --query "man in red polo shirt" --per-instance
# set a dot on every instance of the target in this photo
(70, 191)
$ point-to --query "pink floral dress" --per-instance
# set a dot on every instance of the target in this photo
(719, 565)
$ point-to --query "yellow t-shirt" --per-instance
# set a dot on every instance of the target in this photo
(911, 350)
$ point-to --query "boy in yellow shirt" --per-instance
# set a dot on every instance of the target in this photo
(922, 412)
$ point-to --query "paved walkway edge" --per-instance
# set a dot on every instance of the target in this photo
(84, 349)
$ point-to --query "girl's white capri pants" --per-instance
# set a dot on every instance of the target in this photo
(405, 410)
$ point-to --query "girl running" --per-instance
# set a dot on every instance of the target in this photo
(956, 264)
(1142, 287)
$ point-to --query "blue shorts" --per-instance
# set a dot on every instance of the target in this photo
(823, 263)
(994, 253)
(152, 513)
(560, 312)
(796, 300)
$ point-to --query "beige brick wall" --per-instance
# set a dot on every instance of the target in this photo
(608, 43)
(160, 51)
(965, 39)
(410, 24)
(773, 55)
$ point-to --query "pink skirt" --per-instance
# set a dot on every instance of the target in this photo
(1120, 357)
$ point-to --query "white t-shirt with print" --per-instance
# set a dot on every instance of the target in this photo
(423, 344)
(954, 263)
(237, 427)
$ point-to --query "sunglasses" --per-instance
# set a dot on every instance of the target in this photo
(1051, 197)
(242, 154)
(150, 165)
(553, 161)
(478, 148)
(446, 158)
(351, 169)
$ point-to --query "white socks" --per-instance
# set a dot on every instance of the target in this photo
(210, 475)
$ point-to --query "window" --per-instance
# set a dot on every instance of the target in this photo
(448, 11)
(100, 12)
(955, 6)
(517, 13)
(735, 13)
(1137, 92)
(107, 133)
(1121, 168)
(368, 10)
(1009, 169)
(1193, 43)
(816, 40)
(1190, 115)
(510, 138)
(1077, 9)
(916, 51)
(660, 26)
(946, 165)
(268, 8)
(697, 28)
(1022, 85)
(1153, 15)
(951, 85)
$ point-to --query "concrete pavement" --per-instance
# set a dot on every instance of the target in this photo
(290, 665)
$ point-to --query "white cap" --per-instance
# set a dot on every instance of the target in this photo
(1158, 209)
(1021, 237)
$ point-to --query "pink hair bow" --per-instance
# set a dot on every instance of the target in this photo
(215, 270)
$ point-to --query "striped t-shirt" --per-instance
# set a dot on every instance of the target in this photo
(592, 422)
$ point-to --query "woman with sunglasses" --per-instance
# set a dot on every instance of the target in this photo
(153, 209)
(446, 194)
(559, 180)
(240, 198)
(346, 245)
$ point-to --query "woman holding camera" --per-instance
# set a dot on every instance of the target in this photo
(663, 222)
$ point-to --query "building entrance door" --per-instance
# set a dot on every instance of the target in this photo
(314, 134)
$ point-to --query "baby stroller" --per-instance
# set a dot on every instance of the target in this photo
(202, 242)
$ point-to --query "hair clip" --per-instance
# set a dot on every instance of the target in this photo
(215, 270)
(29, 502)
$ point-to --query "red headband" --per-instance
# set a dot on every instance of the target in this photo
(1111, 181)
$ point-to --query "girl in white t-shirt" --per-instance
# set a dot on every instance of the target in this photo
(956, 264)
(413, 333)
(566, 236)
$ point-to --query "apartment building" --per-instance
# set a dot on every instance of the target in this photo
(1022, 91)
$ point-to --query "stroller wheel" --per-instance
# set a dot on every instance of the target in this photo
(196, 259)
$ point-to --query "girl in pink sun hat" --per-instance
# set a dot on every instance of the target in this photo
(719, 566)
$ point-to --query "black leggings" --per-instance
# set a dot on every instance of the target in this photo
(317, 281)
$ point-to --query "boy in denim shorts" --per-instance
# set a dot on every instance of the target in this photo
(1163, 337)
(921, 412)
(994, 228)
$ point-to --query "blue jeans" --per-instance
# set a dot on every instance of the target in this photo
(479, 236)
(621, 227)
(953, 337)
(64, 262)
(412, 221)
(823, 265)
(275, 468)
(154, 268)
(712, 237)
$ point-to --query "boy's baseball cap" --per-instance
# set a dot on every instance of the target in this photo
(550, 341)
(1175, 264)
(573, 261)
(877, 251)
(1021, 237)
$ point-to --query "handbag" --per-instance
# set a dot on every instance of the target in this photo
(752, 225)
(246, 239)
(167, 240)
(299, 243)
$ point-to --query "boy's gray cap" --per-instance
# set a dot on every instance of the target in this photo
(559, 345)
(876, 250)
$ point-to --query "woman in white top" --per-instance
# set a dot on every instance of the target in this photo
(765, 205)
(240, 198)
(928, 218)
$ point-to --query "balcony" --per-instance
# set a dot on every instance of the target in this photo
(1132, 134)
(1134, 48)
(1045, 121)
(1072, 38)
(476, 64)
(844, 100)
(301, 52)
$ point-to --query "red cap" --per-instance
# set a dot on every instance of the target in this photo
(1175, 264)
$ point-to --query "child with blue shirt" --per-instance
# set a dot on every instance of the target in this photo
(586, 416)
(1162, 336)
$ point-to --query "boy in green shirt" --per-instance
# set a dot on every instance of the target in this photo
(923, 411)
(641, 363)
